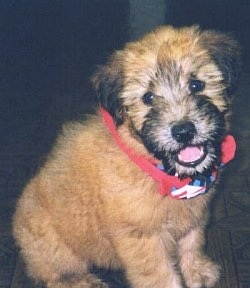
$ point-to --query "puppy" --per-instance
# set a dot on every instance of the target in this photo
(129, 188)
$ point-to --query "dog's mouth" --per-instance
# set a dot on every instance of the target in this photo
(191, 156)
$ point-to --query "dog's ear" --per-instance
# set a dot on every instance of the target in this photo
(225, 51)
(108, 83)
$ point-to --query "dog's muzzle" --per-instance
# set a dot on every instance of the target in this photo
(189, 155)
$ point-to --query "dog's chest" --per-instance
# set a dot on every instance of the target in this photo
(185, 215)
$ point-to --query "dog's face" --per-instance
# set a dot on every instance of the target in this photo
(173, 88)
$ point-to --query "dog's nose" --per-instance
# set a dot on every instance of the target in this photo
(183, 132)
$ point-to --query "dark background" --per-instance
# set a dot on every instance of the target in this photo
(50, 48)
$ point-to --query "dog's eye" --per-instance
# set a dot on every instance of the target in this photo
(148, 98)
(196, 86)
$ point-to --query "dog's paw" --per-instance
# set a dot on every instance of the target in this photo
(202, 273)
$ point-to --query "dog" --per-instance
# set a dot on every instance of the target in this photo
(129, 187)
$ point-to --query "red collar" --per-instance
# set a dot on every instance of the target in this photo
(167, 182)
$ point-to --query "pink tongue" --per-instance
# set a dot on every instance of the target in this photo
(190, 154)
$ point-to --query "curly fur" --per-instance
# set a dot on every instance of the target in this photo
(90, 205)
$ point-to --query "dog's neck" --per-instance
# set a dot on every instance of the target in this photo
(172, 185)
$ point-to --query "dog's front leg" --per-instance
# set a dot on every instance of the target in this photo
(146, 262)
(197, 269)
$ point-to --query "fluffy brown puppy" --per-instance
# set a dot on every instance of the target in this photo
(111, 194)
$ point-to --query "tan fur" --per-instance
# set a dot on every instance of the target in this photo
(89, 204)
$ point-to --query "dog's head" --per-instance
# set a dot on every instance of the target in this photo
(173, 88)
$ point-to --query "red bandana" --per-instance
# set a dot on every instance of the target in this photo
(169, 185)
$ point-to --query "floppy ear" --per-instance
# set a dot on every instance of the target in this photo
(108, 83)
(225, 51)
